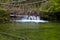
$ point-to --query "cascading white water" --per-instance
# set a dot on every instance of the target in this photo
(27, 18)
(34, 18)
(31, 17)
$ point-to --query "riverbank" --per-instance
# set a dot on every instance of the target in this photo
(41, 31)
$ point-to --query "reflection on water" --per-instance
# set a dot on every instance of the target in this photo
(26, 25)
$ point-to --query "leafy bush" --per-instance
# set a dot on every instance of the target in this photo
(4, 16)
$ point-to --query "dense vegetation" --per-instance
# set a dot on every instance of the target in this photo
(51, 9)
(4, 16)
(50, 6)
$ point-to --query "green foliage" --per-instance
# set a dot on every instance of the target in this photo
(51, 9)
(49, 6)
(4, 16)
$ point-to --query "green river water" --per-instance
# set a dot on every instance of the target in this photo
(30, 31)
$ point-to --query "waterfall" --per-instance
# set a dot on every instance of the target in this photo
(27, 18)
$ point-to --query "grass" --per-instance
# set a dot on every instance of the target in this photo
(41, 31)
